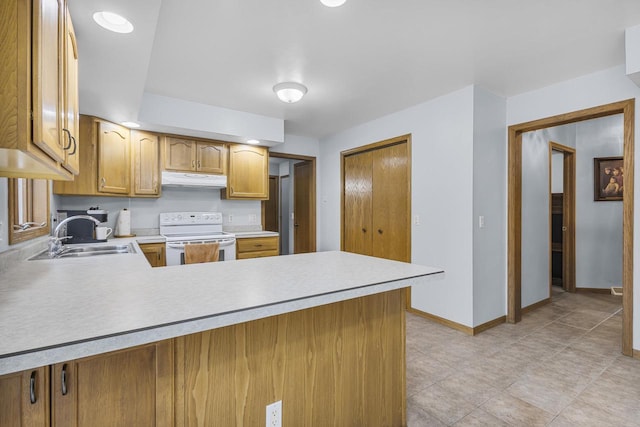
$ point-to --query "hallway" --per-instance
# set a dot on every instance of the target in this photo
(560, 366)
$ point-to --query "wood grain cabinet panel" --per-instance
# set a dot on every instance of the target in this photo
(340, 364)
(113, 158)
(146, 164)
(71, 119)
(180, 154)
(155, 253)
(248, 176)
(256, 247)
(211, 158)
(132, 387)
(186, 155)
(24, 398)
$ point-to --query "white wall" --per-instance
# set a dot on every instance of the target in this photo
(557, 172)
(598, 224)
(442, 194)
(599, 88)
(4, 215)
(489, 199)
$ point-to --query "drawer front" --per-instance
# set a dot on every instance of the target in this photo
(258, 244)
(256, 254)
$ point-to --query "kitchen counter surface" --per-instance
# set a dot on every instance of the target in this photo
(249, 234)
(57, 310)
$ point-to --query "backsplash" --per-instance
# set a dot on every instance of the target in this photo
(145, 212)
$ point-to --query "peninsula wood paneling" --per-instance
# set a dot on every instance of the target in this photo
(341, 364)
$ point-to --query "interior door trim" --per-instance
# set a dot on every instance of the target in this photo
(514, 210)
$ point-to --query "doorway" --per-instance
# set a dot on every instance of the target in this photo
(514, 240)
(293, 179)
(562, 217)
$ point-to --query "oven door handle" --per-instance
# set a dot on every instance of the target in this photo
(175, 245)
(180, 245)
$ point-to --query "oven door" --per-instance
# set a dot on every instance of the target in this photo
(175, 250)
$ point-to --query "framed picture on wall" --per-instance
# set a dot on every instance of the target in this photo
(608, 178)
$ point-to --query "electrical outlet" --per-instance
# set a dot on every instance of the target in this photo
(416, 219)
(1, 230)
(481, 221)
(230, 219)
(274, 414)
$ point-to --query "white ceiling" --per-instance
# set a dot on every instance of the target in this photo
(360, 61)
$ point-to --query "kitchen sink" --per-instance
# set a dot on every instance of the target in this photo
(87, 251)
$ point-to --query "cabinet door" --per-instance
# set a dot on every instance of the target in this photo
(357, 204)
(146, 164)
(132, 387)
(180, 154)
(211, 158)
(46, 79)
(24, 398)
(257, 247)
(390, 206)
(155, 253)
(248, 172)
(113, 158)
(71, 120)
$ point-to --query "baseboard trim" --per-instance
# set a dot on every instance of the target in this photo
(458, 326)
(490, 324)
(594, 290)
(535, 305)
(441, 320)
(636, 354)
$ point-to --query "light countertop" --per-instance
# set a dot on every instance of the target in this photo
(57, 310)
(250, 234)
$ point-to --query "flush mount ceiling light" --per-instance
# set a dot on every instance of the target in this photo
(130, 124)
(113, 22)
(253, 141)
(333, 3)
(290, 92)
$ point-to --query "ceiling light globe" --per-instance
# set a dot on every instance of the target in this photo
(333, 3)
(113, 22)
(290, 92)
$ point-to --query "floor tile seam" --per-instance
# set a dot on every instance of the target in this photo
(602, 321)
(542, 409)
(445, 422)
(611, 412)
(574, 326)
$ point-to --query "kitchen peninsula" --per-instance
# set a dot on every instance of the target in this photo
(323, 332)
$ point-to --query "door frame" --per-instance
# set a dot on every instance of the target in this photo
(514, 210)
(312, 160)
(263, 204)
(568, 215)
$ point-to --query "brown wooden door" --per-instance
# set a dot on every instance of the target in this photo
(71, 107)
(271, 207)
(24, 398)
(248, 172)
(211, 158)
(132, 387)
(391, 219)
(146, 164)
(302, 205)
(180, 154)
(113, 159)
(357, 203)
(155, 253)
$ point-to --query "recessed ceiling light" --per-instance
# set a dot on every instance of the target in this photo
(253, 141)
(113, 22)
(333, 3)
(290, 92)
(130, 124)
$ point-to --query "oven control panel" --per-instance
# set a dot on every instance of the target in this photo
(186, 218)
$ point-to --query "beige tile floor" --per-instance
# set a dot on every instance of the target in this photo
(560, 366)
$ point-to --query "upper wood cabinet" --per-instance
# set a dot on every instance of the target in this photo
(248, 173)
(195, 156)
(71, 120)
(32, 103)
(146, 164)
(24, 398)
(113, 158)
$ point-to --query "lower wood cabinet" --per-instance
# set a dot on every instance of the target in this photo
(132, 387)
(256, 247)
(155, 253)
(24, 398)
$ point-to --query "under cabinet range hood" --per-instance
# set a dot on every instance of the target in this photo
(184, 179)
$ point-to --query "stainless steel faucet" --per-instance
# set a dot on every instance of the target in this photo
(55, 241)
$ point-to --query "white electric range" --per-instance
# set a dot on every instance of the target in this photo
(185, 228)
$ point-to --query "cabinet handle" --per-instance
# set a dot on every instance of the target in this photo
(258, 246)
(63, 379)
(198, 164)
(75, 145)
(32, 388)
(379, 231)
(66, 131)
(364, 230)
(193, 164)
(103, 182)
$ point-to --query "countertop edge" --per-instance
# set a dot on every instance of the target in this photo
(94, 346)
